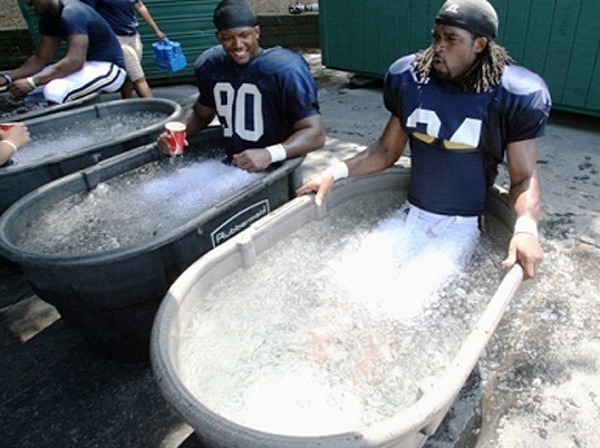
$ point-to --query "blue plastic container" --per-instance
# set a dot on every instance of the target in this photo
(169, 56)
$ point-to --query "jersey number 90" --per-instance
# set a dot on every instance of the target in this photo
(232, 107)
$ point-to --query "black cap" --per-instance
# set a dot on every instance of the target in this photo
(234, 14)
(477, 16)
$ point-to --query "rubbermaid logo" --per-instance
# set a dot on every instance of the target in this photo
(239, 222)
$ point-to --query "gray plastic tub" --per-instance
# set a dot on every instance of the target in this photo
(408, 428)
(112, 296)
(20, 178)
(49, 110)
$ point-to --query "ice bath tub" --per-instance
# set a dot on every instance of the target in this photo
(408, 427)
(111, 296)
(20, 178)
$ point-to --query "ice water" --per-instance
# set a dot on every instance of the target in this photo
(81, 134)
(132, 209)
(289, 346)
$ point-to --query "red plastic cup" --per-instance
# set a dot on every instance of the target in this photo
(6, 126)
(176, 137)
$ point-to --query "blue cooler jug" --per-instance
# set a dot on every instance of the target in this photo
(169, 56)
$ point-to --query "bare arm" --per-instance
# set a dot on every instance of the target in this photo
(70, 63)
(145, 14)
(382, 153)
(195, 119)
(12, 139)
(36, 62)
(308, 136)
(378, 156)
(525, 199)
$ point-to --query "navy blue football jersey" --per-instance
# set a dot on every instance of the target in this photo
(79, 18)
(120, 15)
(458, 138)
(259, 102)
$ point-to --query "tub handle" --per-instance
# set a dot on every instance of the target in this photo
(91, 179)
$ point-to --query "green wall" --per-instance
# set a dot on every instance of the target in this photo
(558, 39)
(187, 22)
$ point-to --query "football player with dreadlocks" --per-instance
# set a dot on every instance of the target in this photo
(461, 104)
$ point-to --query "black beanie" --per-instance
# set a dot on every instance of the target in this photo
(233, 14)
(477, 16)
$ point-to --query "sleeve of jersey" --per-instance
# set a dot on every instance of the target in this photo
(201, 69)
(74, 21)
(301, 91)
(527, 104)
(392, 84)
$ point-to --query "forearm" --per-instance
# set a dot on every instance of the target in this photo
(525, 200)
(308, 136)
(376, 158)
(525, 197)
(382, 153)
(7, 150)
(33, 64)
(147, 17)
(60, 69)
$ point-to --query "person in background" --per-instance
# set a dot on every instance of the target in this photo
(265, 99)
(11, 140)
(461, 105)
(93, 61)
(121, 16)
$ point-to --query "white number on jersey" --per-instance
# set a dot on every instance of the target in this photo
(231, 107)
(467, 134)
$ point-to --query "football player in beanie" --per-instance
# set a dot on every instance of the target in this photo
(265, 99)
(462, 105)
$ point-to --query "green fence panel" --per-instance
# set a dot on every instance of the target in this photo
(186, 22)
(558, 39)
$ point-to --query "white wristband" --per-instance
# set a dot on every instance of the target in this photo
(338, 171)
(525, 224)
(277, 152)
(14, 147)
(31, 82)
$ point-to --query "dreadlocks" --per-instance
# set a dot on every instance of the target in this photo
(484, 74)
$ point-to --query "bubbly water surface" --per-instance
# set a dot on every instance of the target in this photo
(314, 340)
(80, 134)
(135, 207)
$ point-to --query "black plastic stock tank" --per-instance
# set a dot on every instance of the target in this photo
(19, 179)
(112, 296)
